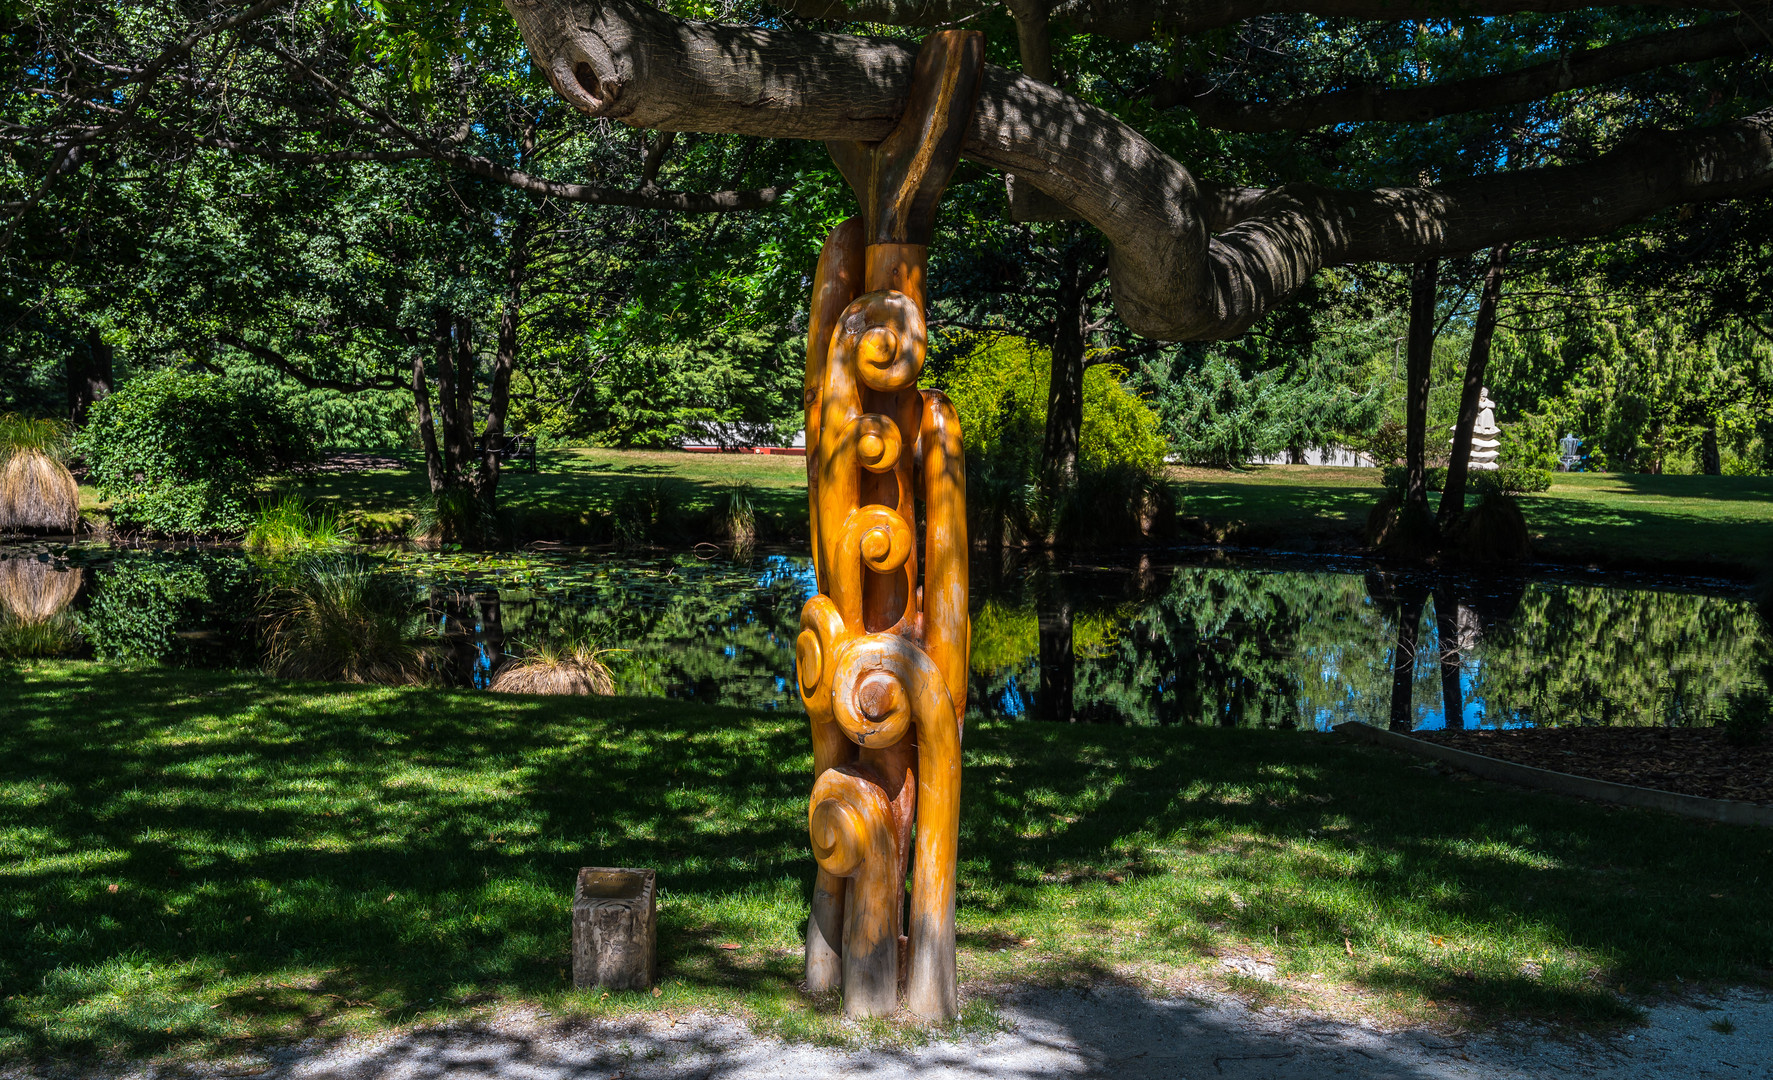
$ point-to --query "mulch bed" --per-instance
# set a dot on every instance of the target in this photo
(1690, 761)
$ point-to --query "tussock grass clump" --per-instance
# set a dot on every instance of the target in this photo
(35, 590)
(285, 526)
(21, 639)
(735, 515)
(340, 619)
(1494, 531)
(36, 489)
(569, 667)
(1401, 528)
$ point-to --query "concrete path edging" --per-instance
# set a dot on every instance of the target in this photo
(1728, 811)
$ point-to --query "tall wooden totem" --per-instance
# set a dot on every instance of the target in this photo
(882, 653)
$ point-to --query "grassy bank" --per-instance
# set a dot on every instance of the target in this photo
(1720, 523)
(193, 861)
(1612, 519)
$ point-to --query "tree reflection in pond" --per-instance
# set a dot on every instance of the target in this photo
(1237, 646)
(1292, 648)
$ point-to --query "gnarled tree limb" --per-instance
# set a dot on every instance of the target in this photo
(1173, 279)
(1685, 45)
(1136, 20)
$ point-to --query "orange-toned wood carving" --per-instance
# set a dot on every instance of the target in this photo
(882, 653)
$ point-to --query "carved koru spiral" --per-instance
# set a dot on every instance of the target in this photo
(882, 653)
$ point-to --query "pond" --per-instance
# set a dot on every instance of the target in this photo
(1304, 645)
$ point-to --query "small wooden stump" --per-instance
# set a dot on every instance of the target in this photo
(615, 928)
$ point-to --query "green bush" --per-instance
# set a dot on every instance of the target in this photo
(180, 452)
(999, 390)
(157, 608)
(1510, 480)
(1529, 443)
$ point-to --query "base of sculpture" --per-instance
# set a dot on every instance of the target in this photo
(615, 928)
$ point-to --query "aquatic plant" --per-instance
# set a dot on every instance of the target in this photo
(341, 618)
(735, 515)
(36, 489)
(557, 667)
(287, 525)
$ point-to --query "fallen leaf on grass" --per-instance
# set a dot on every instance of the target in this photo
(729, 946)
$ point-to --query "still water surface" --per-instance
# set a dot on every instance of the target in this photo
(1238, 644)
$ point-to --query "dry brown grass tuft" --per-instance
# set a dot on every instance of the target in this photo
(575, 670)
(37, 492)
(35, 591)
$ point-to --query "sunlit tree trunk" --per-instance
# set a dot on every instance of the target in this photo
(1483, 332)
(1418, 366)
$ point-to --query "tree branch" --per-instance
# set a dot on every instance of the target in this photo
(1728, 37)
(1172, 278)
(312, 382)
(1138, 20)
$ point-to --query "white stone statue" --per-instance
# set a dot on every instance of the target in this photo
(1484, 444)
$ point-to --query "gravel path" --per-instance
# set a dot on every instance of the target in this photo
(1110, 1032)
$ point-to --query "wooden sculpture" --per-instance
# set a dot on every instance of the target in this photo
(882, 654)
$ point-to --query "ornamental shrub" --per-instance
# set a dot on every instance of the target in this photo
(999, 391)
(180, 451)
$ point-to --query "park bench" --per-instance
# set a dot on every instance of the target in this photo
(511, 449)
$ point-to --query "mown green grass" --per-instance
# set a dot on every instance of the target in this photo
(194, 862)
(1609, 518)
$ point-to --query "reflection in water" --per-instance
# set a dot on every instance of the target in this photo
(1218, 645)
(34, 597)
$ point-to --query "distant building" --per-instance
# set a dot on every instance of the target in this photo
(740, 439)
(1332, 456)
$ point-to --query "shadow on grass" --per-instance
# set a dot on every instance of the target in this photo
(309, 857)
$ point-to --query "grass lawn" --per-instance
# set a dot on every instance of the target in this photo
(561, 499)
(1724, 522)
(1692, 522)
(191, 862)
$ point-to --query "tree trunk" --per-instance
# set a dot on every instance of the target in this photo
(462, 414)
(492, 438)
(1403, 655)
(1710, 461)
(1058, 661)
(89, 376)
(1418, 366)
(1459, 462)
(1064, 412)
(1064, 429)
(1447, 629)
(421, 396)
(443, 329)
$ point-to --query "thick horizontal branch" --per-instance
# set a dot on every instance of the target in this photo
(1172, 278)
(312, 382)
(1686, 45)
(1137, 20)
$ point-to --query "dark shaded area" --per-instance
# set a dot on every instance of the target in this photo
(262, 818)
